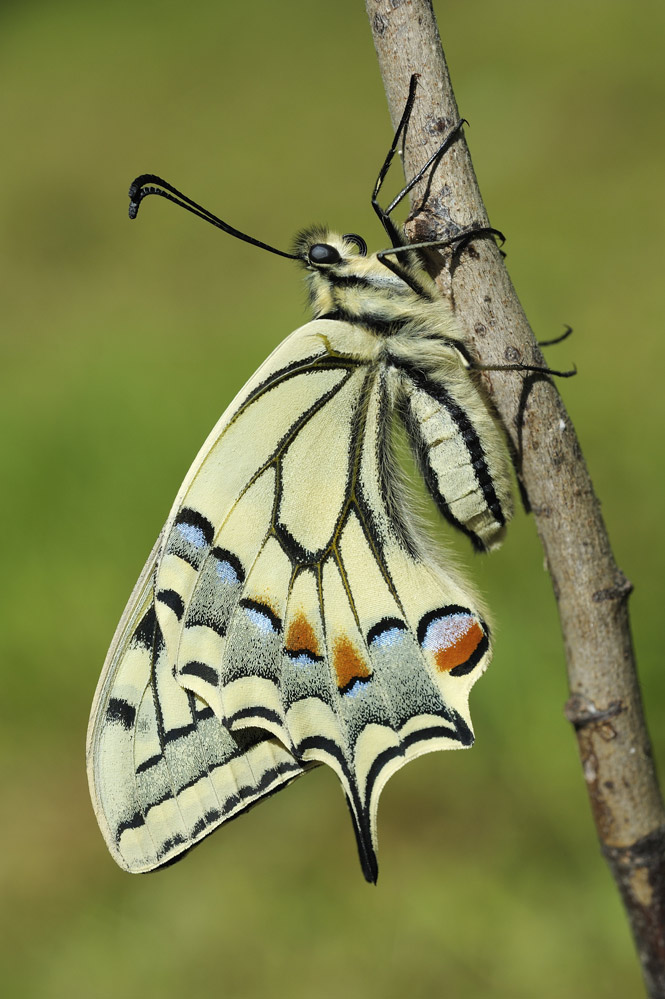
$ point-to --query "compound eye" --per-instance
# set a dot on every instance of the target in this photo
(323, 253)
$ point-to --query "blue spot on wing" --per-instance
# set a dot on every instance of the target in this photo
(356, 688)
(229, 568)
(227, 573)
(388, 638)
(387, 633)
(303, 658)
(445, 631)
(262, 616)
(261, 620)
(192, 534)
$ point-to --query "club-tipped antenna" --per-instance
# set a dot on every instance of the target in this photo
(149, 183)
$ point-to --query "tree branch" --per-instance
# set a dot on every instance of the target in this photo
(604, 706)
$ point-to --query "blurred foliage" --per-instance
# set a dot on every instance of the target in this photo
(122, 344)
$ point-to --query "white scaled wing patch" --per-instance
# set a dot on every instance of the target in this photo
(290, 615)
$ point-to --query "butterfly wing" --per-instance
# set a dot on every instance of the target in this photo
(163, 772)
(288, 616)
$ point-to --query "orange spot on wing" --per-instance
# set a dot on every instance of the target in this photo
(348, 663)
(301, 636)
(461, 650)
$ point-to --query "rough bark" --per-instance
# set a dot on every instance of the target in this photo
(605, 706)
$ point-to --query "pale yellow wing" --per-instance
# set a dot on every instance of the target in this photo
(289, 616)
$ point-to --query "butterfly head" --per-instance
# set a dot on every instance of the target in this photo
(319, 249)
(342, 278)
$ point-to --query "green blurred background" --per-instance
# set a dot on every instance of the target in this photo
(121, 345)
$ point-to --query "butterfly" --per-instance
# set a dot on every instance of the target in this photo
(293, 612)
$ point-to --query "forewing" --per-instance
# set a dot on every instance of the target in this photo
(163, 770)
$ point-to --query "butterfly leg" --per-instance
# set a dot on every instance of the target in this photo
(539, 369)
(433, 161)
